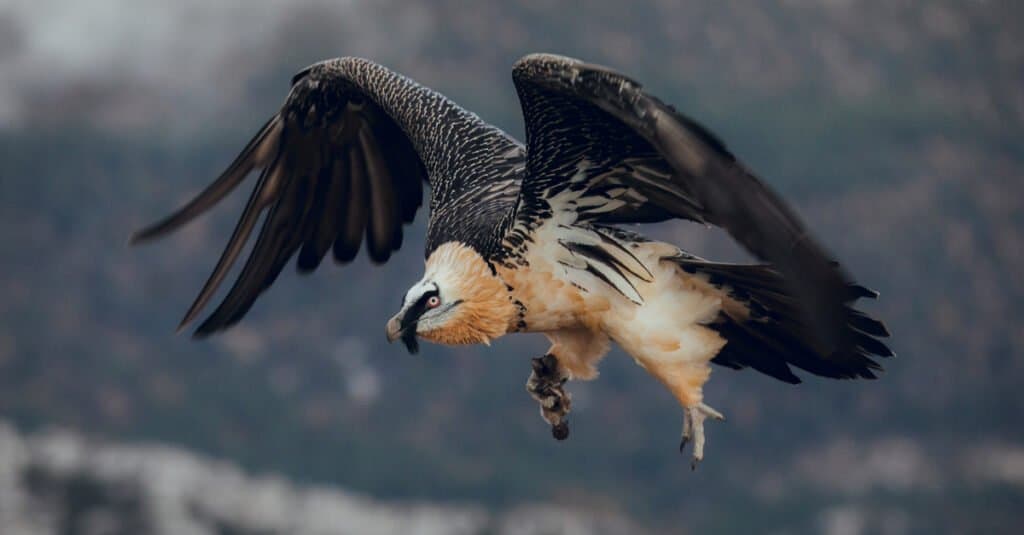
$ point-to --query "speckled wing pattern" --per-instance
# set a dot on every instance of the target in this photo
(344, 161)
(602, 148)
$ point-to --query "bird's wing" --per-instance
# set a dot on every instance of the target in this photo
(345, 157)
(598, 145)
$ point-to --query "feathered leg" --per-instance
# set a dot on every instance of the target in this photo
(546, 385)
(574, 354)
(686, 381)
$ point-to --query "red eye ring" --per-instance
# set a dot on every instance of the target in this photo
(433, 301)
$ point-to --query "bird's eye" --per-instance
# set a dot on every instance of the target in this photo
(433, 301)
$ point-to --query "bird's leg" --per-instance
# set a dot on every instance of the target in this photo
(546, 385)
(686, 382)
(693, 429)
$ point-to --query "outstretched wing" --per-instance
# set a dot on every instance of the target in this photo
(345, 157)
(602, 148)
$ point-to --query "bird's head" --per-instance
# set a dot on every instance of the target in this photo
(459, 300)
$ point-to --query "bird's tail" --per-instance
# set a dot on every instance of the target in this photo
(769, 333)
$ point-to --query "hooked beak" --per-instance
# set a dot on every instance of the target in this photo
(394, 328)
(398, 327)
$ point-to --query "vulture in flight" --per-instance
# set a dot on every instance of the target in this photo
(528, 237)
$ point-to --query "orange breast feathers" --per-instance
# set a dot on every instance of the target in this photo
(552, 302)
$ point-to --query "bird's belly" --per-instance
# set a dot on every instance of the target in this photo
(669, 326)
(666, 325)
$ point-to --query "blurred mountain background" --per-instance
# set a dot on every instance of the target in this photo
(894, 126)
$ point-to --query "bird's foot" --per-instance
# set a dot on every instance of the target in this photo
(693, 429)
(547, 386)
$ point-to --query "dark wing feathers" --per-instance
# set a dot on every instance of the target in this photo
(326, 211)
(280, 237)
(344, 160)
(259, 199)
(772, 335)
(384, 221)
(357, 196)
(592, 130)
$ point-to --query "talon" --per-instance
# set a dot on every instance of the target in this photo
(687, 431)
(711, 412)
(560, 431)
(693, 429)
(546, 386)
(546, 367)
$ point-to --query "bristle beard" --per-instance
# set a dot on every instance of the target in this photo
(410, 341)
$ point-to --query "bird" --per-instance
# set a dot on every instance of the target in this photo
(541, 236)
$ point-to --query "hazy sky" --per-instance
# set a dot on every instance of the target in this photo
(156, 47)
(136, 63)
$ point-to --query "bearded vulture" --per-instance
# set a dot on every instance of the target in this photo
(527, 237)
